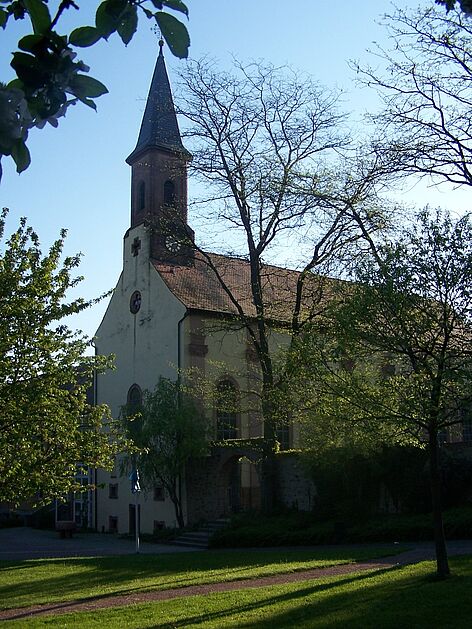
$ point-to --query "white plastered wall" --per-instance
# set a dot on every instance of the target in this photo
(145, 346)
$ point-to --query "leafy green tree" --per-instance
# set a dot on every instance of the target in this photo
(169, 430)
(47, 425)
(393, 357)
(49, 78)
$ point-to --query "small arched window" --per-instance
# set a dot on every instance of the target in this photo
(169, 193)
(227, 409)
(134, 400)
(141, 196)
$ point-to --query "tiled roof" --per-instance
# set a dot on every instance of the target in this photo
(199, 288)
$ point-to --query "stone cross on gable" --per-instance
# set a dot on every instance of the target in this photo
(136, 246)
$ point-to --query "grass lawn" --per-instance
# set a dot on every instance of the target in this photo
(404, 597)
(31, 582)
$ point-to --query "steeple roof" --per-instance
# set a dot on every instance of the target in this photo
(159, 128)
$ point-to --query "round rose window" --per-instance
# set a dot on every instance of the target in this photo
(135, 302)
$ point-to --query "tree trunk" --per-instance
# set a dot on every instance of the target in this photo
(268, 467)
(442, 562)
(179, 516)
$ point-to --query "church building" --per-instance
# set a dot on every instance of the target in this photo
(164, 317)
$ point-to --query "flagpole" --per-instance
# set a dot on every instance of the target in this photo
(135, 489)
(136, 515)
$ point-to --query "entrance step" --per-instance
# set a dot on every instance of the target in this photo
(200, 538)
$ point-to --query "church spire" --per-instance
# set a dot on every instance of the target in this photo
(159, 127)
(159, 175)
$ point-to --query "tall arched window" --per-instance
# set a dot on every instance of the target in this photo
(169, 193)
(134, 404)
(134, 400)
(141, 196)
(227, 409)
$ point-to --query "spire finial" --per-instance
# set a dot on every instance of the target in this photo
(161, 46)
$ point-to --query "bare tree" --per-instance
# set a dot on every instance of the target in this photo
(271, 151)
(425, 82)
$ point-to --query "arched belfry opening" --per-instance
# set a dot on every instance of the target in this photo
(169, 193)
(141, 200)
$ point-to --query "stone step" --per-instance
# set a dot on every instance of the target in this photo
(201, 537)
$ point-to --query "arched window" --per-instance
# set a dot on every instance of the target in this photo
(141, 196)
(283, 436)
(227, 409)
(169, 193)
(134, 400)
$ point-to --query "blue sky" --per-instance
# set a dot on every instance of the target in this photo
(79, 179)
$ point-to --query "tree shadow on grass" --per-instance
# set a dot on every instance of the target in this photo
(91, 578)
(402, 597)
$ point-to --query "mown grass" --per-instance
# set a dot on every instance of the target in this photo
(405, 597)
(52, 580)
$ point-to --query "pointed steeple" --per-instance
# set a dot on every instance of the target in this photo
(159, 128)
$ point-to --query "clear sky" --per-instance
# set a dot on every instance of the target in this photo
(79, 179)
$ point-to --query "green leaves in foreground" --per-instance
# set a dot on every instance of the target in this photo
(49, 77)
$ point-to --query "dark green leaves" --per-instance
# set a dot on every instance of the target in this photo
(21, 155)
(128, 24)
(175, 34)
(109, 16)
(85, 36)
(85, 87)
(175, 5)
(39, 15)
(3, 18)
(46, 67)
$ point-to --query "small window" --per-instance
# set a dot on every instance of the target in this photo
(141, 196)
(113, 490)
(227, 409)
(159, 525)
(112, 524)
(159, 493)
(169, 193)
(283, 437)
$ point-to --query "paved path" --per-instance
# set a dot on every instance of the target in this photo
(25, 543)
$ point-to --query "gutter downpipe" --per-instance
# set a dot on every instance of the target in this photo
(95, 397)
(179, 366)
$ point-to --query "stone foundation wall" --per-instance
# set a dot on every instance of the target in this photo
(294, 489)
(210, 492)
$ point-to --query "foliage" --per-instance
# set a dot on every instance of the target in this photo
(355, 484)
(49, 78)
(47, 425)
(465, 5)
(169, 430)
(305, 529)
(407, 318)
(426, 90)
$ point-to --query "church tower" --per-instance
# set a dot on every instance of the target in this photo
(159, 175)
